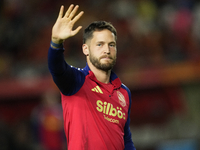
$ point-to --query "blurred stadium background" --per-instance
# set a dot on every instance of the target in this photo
(158, 59)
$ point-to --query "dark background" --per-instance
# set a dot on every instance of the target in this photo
(158, 59)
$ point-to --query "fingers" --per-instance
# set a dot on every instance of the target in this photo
(77, 30)
(61, 12)
(78, 16)
(68, 12)
(73, 12)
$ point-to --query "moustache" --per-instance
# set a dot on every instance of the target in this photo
(106, 56)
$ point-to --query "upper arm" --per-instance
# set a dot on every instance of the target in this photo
(70, 81)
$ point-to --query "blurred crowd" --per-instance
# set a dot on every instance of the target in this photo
(150, 32)
(33, 124)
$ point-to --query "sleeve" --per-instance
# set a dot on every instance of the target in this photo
(68, 79)
(127, 133)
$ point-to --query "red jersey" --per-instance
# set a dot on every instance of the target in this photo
(96, 115)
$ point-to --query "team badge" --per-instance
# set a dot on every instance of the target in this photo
(121, 98)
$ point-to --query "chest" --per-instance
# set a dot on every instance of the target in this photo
(107, 102)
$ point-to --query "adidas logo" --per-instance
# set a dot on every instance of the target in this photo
(97, 89)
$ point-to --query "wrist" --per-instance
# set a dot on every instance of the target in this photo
(56, 40)
(56, 45)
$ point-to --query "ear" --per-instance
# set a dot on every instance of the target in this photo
(85, 49)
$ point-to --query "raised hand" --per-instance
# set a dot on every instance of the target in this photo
(63, 28)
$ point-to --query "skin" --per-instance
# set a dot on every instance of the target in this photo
(101, 53)
(100, 50)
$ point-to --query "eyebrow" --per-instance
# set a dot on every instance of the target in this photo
(112, 42)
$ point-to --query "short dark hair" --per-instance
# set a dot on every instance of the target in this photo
(98, 26)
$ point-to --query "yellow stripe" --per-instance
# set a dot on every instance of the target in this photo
(96, 90)
(99, 89)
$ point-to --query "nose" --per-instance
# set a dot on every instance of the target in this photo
(107, 49)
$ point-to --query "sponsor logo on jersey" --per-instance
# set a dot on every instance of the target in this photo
(111, 120)
(109, 111)
(121, 98)
(97, 89)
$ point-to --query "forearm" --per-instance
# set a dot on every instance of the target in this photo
(59, 69)
(67, 78)
(56, 62)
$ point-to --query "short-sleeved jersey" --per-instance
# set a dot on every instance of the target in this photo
(96, 115)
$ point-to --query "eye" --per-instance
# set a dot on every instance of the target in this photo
(112, 45)
(99, 44)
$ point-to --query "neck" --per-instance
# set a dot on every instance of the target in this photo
(102, 76)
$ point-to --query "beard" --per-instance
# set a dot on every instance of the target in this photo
(102, 66)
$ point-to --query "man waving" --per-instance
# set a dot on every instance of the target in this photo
(96, 105)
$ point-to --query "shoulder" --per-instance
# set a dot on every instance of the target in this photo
(72, 80)
(126, 88)
(129, 93)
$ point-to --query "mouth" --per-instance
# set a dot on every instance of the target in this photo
(106, 57)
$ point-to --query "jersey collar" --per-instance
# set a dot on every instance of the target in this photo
(113, 77)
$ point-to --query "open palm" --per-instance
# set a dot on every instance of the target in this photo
(63, 28)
